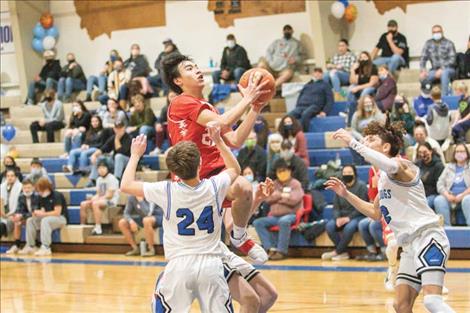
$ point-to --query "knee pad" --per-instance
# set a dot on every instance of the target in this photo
(435, 304)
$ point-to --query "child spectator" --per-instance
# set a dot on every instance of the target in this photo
(78, 125)
(9, 193)
(53, 117)
(37, 171)
(423, 101)
(462, 125)
(438, 118)
(402, 111)
(290, 129)
(253, 156)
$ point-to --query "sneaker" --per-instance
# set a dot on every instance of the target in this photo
(13, 250)
(133, 252)
(27, 250)
(366, 256)
(380, 257)
(90, 184)
(67, 169)
(341, 257)
(248, 247)
(43, 251)
(276, 256)
(328, 255)
(96, 232)
(150, 252)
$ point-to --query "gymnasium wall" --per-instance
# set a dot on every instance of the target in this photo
(9, 71)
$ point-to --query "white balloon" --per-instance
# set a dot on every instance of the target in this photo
(48, 42)
(337, 9)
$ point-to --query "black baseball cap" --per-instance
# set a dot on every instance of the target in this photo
(287, 27)
(426, 87)
(392, 23)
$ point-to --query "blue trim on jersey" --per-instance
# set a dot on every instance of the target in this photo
(168, 195)
(219, 209)
(432, 257)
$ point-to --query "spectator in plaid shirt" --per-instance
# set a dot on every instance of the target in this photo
(441, 52)
(337, 73)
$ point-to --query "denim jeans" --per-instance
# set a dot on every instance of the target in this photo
(157, 83)
(371, 232)
(347, 232)
(68, 85)
(393, 62)
(336, 79)
(41, 85)
(82, 157)
(146, 130)
(99, 81)
(120, 162)
(236, 74)
(447, 74)
(430, 199)
(263, 224)
(305, 115)
(352, 100)
(73, 142)
(442, 207)
(466, 209)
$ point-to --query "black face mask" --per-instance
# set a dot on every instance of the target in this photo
(48, 99)
(363, 62)
(288, 127)
(393, 32)
(287, 35)
(71, 61)
(49, 61)
(348, 178)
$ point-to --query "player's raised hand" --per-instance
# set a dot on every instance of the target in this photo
(139, 145)
(214, 131)
(343, 135)
(264, 189)
(337, 186)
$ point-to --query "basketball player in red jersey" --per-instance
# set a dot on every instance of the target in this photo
(188, 115)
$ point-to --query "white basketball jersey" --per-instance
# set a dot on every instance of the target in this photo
(192, 215)
(404, 205)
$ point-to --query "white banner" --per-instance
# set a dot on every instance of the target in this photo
(6, 34)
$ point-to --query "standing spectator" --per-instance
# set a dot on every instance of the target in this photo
(394, 48)
(118, 82)
(438, 117)
(462, 125)
(387, 89)
(47, 78)
(79, 123)
(107, 196)
(9, 193)
(364, 79)
(420, 137)
(423, 101)
(142, 118)
(290, 129)
(367, 111)
(28, 201)
(284, 203)
(101, 80)
(234, 62)
(440, 51)
(53, 112)
(253, 156)
(402, 112)
(51, 215)
(94, 138)
(157, 81)
(430, 169)
(283, 57)
(339, 69)
(37, 171)
(274, 150)
(140, 68)
(454, 186)
(10, 163)
(346, 217)
(72, 79)
(315, 99)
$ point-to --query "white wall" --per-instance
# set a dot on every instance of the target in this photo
(9, 70)
(191, 26)
(415, 24)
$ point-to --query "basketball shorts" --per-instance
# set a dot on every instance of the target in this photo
(191, 277)
(233, 264)
(423, 260)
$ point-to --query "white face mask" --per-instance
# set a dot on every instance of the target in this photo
(368, 108)
(28, 194)
(230, 43)
(76, 109)
(276, 146)
(437, 36)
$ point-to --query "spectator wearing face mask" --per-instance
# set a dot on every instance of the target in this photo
(393, 47)
(37, 171)
(101, 80)
(9, 193)
(386, 91)
(261, 129)
(462, 125)
(79, 123)
(274, 149)
(234, 62)
(10, 163)
(72, 79)
(249, 174)
(402, 112)
(47, 78)
(296, 164)
(118, 84)
(253, 156)
(420, 136)
(139, 66)
(53, 117)
(290, 129)
(438, 117)
(423, 101)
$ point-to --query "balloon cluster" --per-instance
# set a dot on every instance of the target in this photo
(45, 34)
(343, 8)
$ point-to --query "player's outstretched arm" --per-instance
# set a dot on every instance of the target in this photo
(368, 209)
(129, 184)
(233, 168)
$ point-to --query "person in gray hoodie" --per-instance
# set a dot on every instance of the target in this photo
(53, 120)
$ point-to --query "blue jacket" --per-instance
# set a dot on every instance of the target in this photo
(318, 94)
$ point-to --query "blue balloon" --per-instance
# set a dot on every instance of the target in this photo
(344, 2)
(8, 132)
(53, 31)
(39, 31)
(37, 45)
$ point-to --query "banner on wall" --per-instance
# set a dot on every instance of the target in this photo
(6, 34)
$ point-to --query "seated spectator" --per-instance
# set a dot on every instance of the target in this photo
(161, 126)
(234, 62)
(53, 117)
(119, 145)
(10, 163)
(296, 164)
(101, 80)
(113, 114)
(346, 217)
(438, 118)
(402, 111)
(462, 125)
(79, 123)
(290, 129)
(274, 149)
(393, 47)
(253, 156)
(118, 81)
(284, 203)
(261, 128)
(454, 186)
(420, 137)
(315, 99)
(9, 193)
(28, 201)
(79, 158)
(367, 111)
(283, 57)
(152, 221)
(37, 171)
(386, 90)
(463, 63)
(47, 78)
(250, 176)
(338, 70)
(49, 216)
(440, 51)
(364, 79)
(142, 118)
(157, 81)
(140, 68)
(423, 101)
(107, 196)
(71, 79)
(430, 169)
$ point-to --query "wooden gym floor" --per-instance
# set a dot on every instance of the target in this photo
(110, 283)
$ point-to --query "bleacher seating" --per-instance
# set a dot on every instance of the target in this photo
(328, 123)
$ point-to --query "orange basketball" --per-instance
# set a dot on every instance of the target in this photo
(265, 76)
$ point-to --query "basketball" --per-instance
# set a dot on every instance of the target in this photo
(265, 76)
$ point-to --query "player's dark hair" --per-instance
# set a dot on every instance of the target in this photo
(183, 160)
(171, 71)
(391, 133)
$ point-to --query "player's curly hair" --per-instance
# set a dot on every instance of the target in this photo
(171, 71)
(183, 159)
(391, 132)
